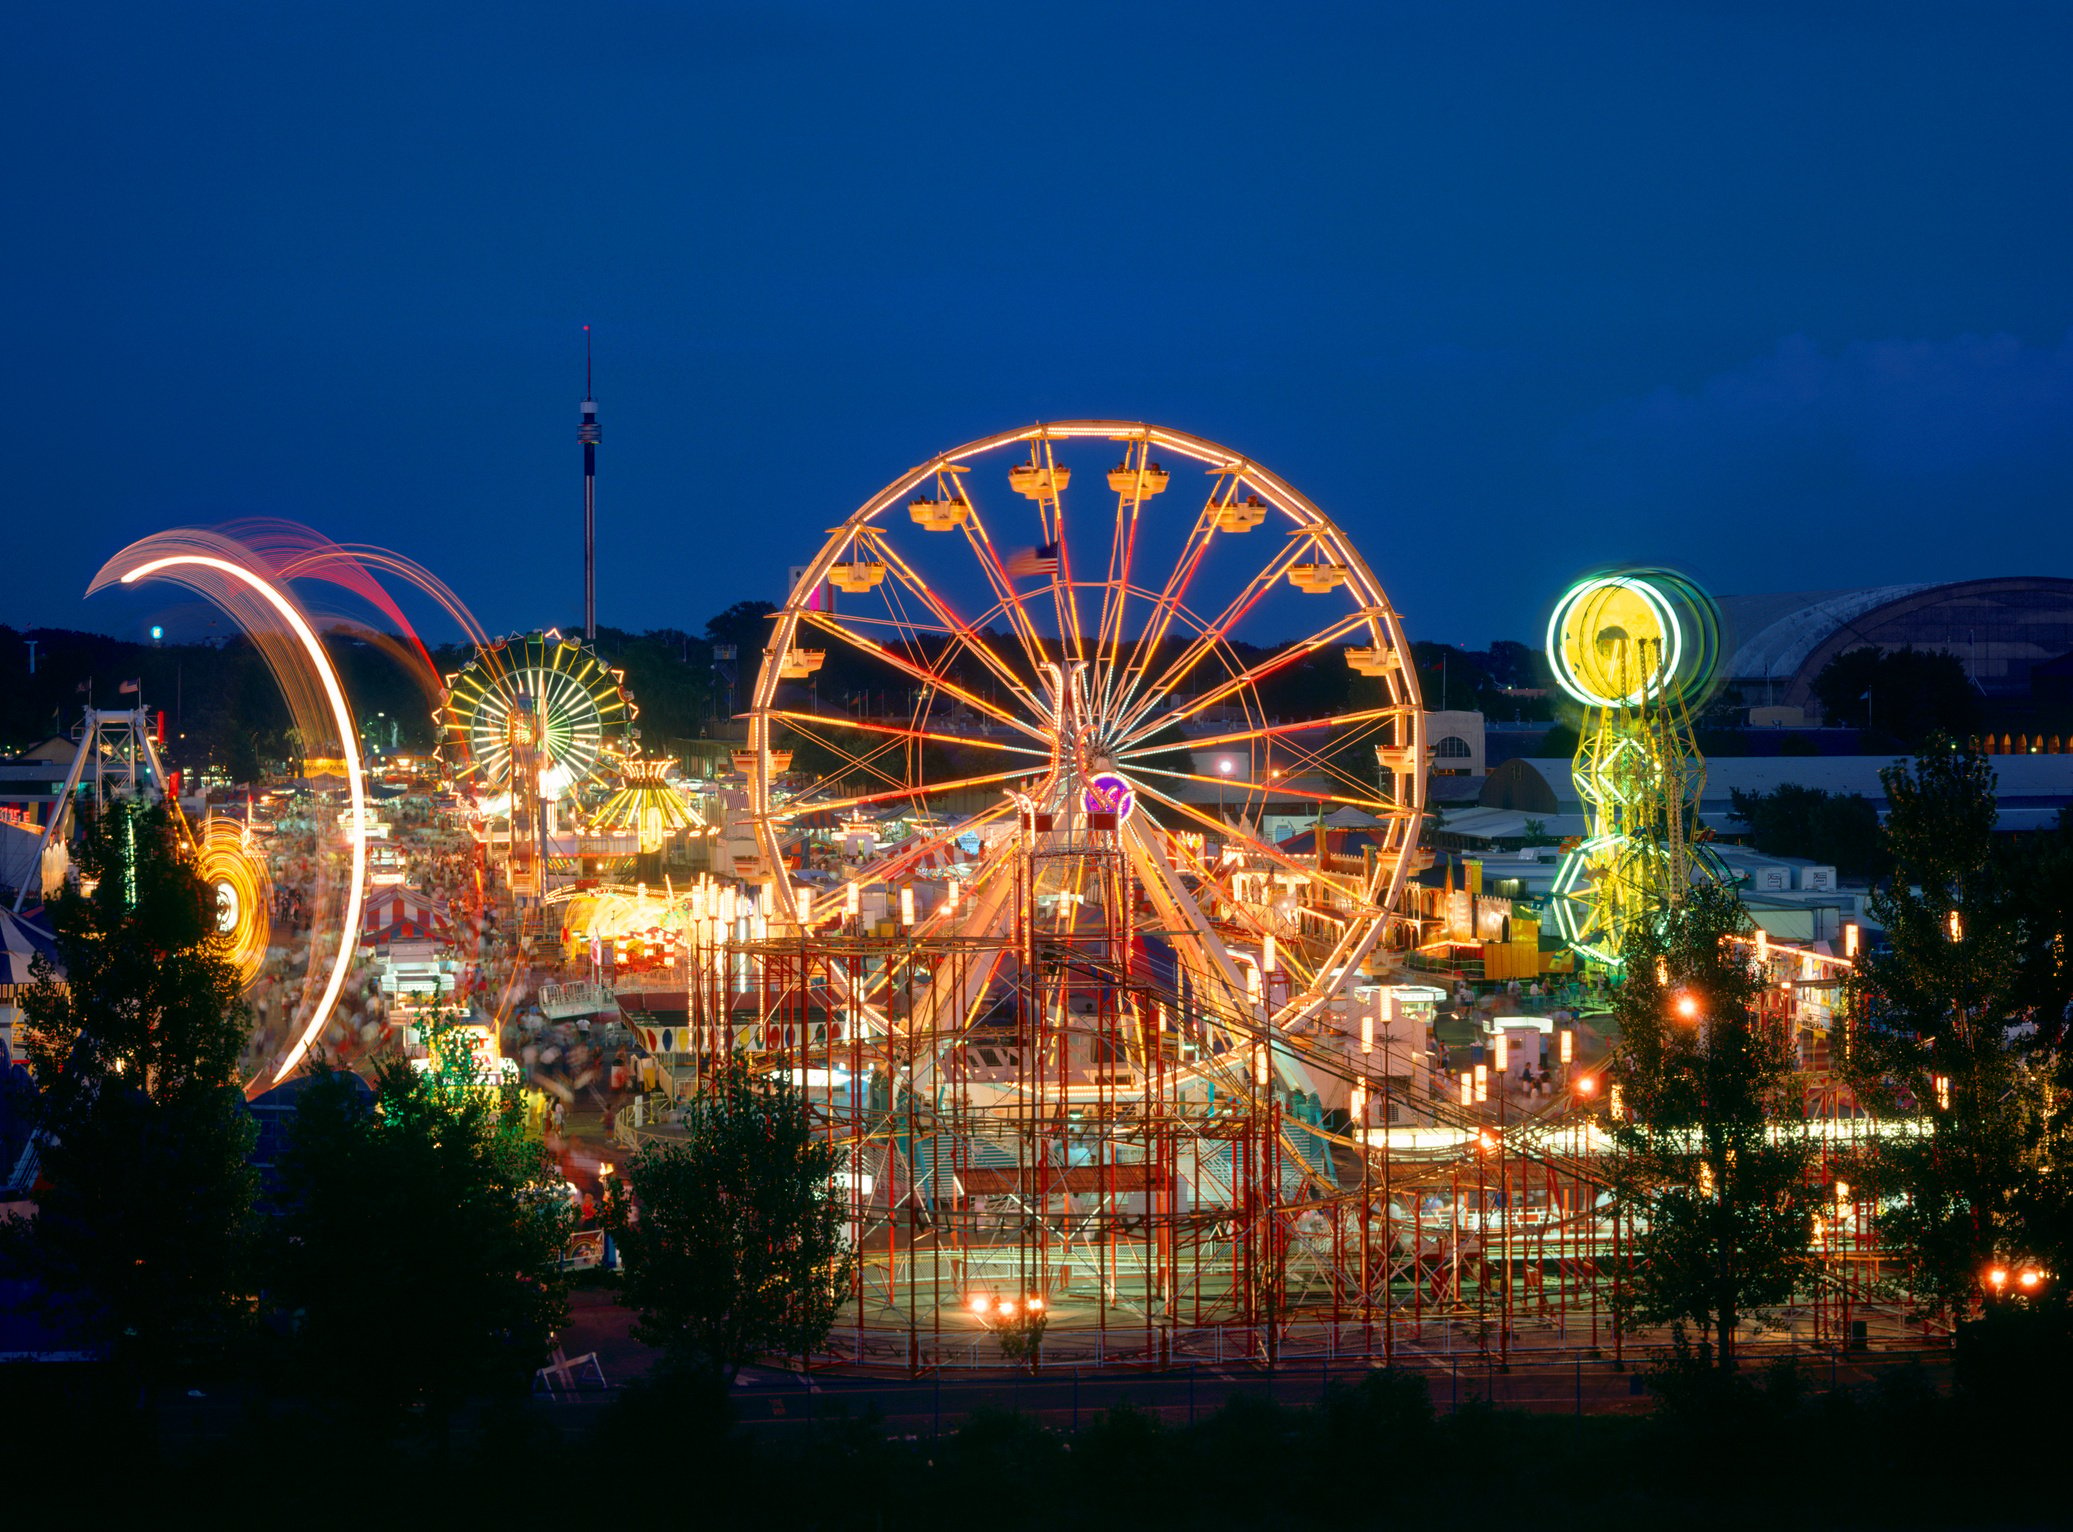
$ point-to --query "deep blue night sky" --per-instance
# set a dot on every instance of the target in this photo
(1779, 293)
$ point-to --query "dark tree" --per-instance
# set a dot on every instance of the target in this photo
(746, 625)
(1839, 828)
(141, 1229)
(1907, 695)
(417, 1256)
(735, 1240)
(1711, 1160)
(1945, 1033)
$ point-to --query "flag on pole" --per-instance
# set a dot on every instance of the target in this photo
(1029, 563)
(131, 686)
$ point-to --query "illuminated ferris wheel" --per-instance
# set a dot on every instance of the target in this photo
(1057, 710)
(540, 696)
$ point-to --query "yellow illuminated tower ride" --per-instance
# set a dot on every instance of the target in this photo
(1636, 648)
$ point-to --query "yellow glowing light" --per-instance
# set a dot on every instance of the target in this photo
(226, 862)
(349, 742)
(1687, 1007)
(1615, 641)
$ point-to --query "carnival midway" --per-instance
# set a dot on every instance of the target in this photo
(1068, 845)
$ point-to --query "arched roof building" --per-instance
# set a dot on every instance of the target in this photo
(1999, 628)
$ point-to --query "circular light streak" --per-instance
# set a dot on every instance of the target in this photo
(349, 746)
(244, 891)
(1600, 638)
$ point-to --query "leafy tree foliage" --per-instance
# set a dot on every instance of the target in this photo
(141, 1231)
(1838, 828)
(1946, 1032)
(1709, 1161)
(746, 625)
(1907, 694)
(734, 1239)
(1479, 680)
(417, 1256)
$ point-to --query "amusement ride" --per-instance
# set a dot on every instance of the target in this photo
(1637, 649)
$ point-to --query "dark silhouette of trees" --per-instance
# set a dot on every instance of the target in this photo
(416, 1259)
(735, 1239)
(1709, 1160)
(1904, 694)
(1947, 1033)
(140, 1236)
(1838, 828)
(746, 625)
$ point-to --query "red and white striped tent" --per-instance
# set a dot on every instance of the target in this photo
(404, 915)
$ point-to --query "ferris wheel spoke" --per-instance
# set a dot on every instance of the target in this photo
(970, 637)
(1115, 598)
(1265, 731)
(864, 726)
(1179, 908)
(1051, 512)
(1252, 845)
(1251, 676)
(867, 762)
(1216, 632)
(927, 677)
(1005, 593)
(1167, 606)
(827, 805)
(1262, 789)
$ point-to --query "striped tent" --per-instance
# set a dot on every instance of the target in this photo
(404, 915)
(21, 943)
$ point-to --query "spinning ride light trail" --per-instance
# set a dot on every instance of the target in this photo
(228, 863)
(222, 570)
(1636, 648)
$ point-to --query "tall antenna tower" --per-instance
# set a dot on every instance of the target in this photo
(590, 434)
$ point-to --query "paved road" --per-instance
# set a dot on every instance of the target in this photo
(769, 1401)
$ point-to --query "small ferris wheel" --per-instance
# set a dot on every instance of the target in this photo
(539, 696)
